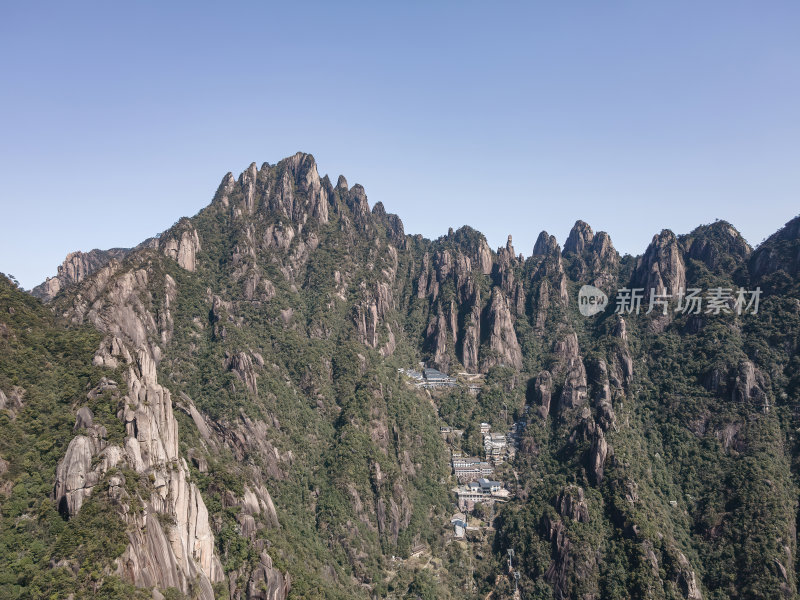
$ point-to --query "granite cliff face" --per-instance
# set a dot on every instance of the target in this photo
(75, 268)
(250, 354)
(120, 305)
(662, 267)
(594, 259)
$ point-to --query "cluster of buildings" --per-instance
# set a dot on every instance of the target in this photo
(500, 447)
(468, 468)
(474, 475)
(429, 378)
(484, 491)
(447, 430)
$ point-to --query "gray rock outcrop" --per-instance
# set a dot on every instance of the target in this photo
(182, 246)
(184, 551)
(76, 267)
(504, 348)
(579, 239)
(661, 267)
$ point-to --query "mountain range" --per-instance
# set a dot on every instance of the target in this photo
(224, 410)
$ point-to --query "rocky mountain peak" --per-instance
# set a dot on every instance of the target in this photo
(602, 247)
(661, 267)
(718, 245)
(357, 200)
(304, 168)
(580, 237)
(545, 244)
(780, 252)
(76, 267)
(225, 189)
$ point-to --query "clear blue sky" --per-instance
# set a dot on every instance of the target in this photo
(116, 119)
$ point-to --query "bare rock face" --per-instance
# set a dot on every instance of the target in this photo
(74, 476)
(603, 249)
(152, 446)
(597, 455)
(571, 503)
(661, 267)
(13, 401)
(573, 394)
(356, 200)
(559, 568)
(621, 374)
(259, 502)
(687, 580)
(541, 306)
(472, 336)
(507, 254)
(266, 582)
(225, 189)
(484, 258)
(247, 181)
(504, 348)
(602, 261)
(241, 363)
(545, 244)
(304, 169)
(748, 385)
(437, 342)
(549, 281)
(76, 267)
(566, 567)
(606, 417)
(372, 314)
(574, 391)
(714, 380)
(392, 223)
(185, 551)
(461, 259)
(423, 288)
(292, 189)
(506, 261)
(87, 460)
(182, 247)
(621, 329)
(543, 390)
(594, 259)
(580, 237)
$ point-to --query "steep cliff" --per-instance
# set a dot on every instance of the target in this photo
(75, 268)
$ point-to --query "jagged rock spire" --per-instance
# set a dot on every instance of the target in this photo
(661, 267)
(545, 244)
(580, 237)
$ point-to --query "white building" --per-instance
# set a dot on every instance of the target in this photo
(488, 486)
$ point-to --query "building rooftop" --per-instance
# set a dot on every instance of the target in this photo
(488, 483)
(434, 374)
